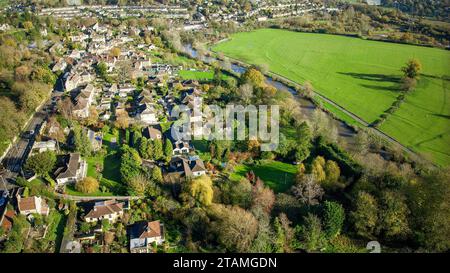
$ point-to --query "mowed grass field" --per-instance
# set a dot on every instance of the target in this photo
(276, 175)
(198, 75)
(362, 76)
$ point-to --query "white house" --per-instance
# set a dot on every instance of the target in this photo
(61, 65)
(144, 234)
(75, 169)
(180, 147)
(110, 210)
(191, 166)
(34, 204)
(43, 146)
(147, 114)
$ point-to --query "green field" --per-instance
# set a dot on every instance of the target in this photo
(277, 175)
(198, 75)
(362, 76)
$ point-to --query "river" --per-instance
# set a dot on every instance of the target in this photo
(345, 132)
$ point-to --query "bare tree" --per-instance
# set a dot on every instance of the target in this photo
(308, 191)
(124, 69)
(65, 107)
(246, 92)
(308, 89)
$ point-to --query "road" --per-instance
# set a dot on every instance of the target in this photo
(94, 198)
(16, 156)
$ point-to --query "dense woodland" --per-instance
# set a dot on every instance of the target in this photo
(25, 77)
(372, 22)
(428, 8)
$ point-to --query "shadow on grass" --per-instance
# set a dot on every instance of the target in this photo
(442, 116)
(394, 79)
(60, 232)
(111, 177)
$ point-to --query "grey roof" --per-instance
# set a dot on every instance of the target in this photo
(70, 170)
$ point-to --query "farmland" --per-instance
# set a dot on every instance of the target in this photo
(362, 76)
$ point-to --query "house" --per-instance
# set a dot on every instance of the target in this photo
(72, 82)
(86, 77)
(75, 169)
(180, 147)
(79, 38)
(43, 146)
(61, 65)
(83, 101)
(188, 167)
(81, 108)
(88, 92)
(126, 90)
(144, 234)
(76, 54)
(105, 104)
(152, 133)
(113, 89)
(147, 114)
(6, 219)
(110, 210)
(110, 62)
(34, 204)
(98, 38)
(145, 100)
(6, 214)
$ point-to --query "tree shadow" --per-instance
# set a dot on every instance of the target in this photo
(394, 79)
(442, 116)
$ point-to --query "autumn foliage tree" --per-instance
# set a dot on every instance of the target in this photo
(201, 190)
(234, 227)
(115, 52)
(365, 215)
(263, 197)
(254, 77)
(87, 185)
(122, 120)
(412, 68)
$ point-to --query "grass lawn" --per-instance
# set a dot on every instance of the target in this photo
(111, 170)
(55, 232)
(277, 175)
(198, 75)
(362, 76)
